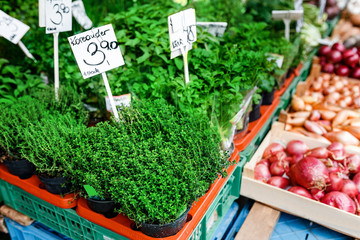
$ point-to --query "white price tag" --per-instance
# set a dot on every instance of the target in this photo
(58, 17)
(96, 51)
(182, 30)
(216, 29)
(123, 100)
(11, 28)
(42, 13)
(287, 14)
(79, 13)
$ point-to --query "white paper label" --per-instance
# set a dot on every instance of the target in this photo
(287, 14)
(58, 17)
(79, 13)
(96, 51)
(182, 30)
(123, 100)
(216, 29)
(42, 13)
(11, 28)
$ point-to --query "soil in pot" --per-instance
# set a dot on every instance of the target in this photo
(21, 168)
(268, 97)
(255, 112)
(104, 207)
(56, 185)
(165, 230)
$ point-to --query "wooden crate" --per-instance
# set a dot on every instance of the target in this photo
(285, 201)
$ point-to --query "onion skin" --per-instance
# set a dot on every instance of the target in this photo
(324, 50)
(311, 173)
(279, 156)
(295, 158)
(339, 47)
(279, 182)
(272, 149)
(300, 191)
(336, 182)
(317, 194)
(353, 163)
(277, 168)
(349, 188)
(296, 147)
(339, 200)
(319, 152)
(262, 173)
(264, 161)
(334, 56)
(342, 70)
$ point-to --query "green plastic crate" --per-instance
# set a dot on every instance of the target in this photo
(69, 223)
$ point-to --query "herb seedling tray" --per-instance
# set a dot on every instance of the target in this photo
(32, 186)
(289, 202)
(228, 188)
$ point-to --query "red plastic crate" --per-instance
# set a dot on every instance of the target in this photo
(124, 226)
(32, 186)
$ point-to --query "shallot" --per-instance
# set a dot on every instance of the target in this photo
(310, 172)
(353, 163)
(279, 182)
(300, 191)
(339, 200)
(272, 149)
(349, 188)
(296, 147)
(262, 173)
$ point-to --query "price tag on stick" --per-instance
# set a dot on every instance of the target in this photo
(321, 9)
(299, 23)
(42, 13)
(97, 51)
(287, 16)
(13, 30)
(58, 18)
(182, 33)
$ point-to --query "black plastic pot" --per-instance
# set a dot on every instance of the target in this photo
(57, 185)
(104, 207)
(268, 97)
(255, 112)
(21, 168)
(165, 230)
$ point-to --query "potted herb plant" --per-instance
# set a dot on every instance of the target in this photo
(14, 119)
(255, 107)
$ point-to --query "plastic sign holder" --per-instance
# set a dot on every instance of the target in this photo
(287, 16)
(58, 19)
(13, 30)
(182, 33)
(97, 51)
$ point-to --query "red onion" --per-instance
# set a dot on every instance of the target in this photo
(322, 60)
(337, 151)
(342, 70)
(353, 163)
(300, 191)
(279, 156)
(262, 173)
(339, 47)
(272, 149)
(349, 188)
(264, 161)
(334, 56)
(310, 172)
(328, 68)
(295, 158)
(356, 180)
(324, 50)
(349, 52)
(278, 168)
(296, 147)
(279, 182)
(356, 73)
(319, 152)
(352, 60)
(336, 182)
(317, 194)
(339, 200)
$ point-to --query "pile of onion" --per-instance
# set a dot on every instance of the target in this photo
(337, 59)
(328, 175)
